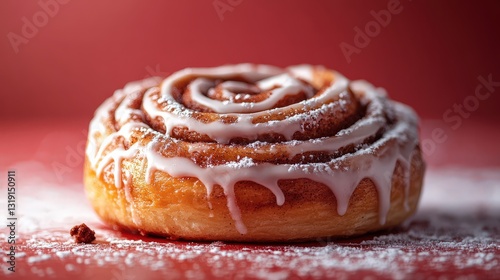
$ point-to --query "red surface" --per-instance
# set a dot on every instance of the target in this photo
(455, 233)
(429, 55)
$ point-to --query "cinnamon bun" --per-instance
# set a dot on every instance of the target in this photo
(253, 153)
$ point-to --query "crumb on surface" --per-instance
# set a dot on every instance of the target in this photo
(82, 233)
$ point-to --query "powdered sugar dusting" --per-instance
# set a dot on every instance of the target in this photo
(242, 163)
(402, 136)
(456, 233)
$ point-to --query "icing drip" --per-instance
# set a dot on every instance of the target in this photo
(108, 148)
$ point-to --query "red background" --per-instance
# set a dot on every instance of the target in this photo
(429, 56)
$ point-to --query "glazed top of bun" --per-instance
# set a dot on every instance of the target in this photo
(287, 123)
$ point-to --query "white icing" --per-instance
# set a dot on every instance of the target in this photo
(287, 85)
(223, 133)
(304, 72)
(342, 175)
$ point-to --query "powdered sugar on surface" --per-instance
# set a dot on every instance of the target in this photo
(455, 234)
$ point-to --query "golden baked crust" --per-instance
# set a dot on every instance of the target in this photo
(179, 208)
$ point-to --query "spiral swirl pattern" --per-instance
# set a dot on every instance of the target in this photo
(255, 123)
